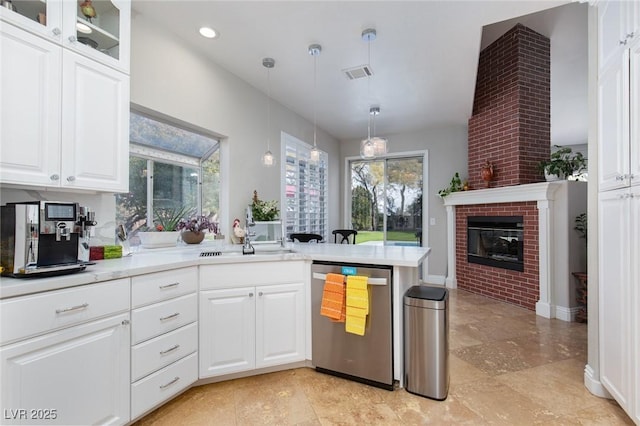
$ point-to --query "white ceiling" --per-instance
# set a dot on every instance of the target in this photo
(424, 58)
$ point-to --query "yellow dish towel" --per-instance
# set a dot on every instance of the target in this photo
(357, 302)
(333, 297)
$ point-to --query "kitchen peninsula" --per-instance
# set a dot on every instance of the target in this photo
(148, 320)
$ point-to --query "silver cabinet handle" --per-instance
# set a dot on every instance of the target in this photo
(125, 322)
(73, 308)
(71, 178)
(250, 294)
(259, 293)
(73, 39)
(166, 351)
(54, 177)
(632, 176)
(622, 42)
(162, 287)
(631, 34)
(56, 31)
(170, 383)
(620, 177)
(172, 316)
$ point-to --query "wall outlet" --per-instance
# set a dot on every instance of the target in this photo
(432, 221)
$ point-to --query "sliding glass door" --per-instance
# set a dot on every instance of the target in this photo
(386, 200)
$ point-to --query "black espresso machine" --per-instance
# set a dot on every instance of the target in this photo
(44, 238)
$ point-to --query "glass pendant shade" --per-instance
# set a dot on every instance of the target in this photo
(379, 146)
(268, 160)
(314, 155)
(367, 149)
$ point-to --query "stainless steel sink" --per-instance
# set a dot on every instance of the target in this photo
(259, 251)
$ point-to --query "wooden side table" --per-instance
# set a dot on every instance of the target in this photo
(581, 295)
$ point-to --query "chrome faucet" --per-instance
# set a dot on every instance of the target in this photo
(247, 248)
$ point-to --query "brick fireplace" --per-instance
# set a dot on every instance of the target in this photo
(510, 128)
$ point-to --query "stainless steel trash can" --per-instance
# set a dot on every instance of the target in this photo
(426, 341)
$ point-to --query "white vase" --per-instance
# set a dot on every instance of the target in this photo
(151, 240)
(552, 178)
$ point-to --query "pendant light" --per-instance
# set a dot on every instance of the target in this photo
(379, 144)
(314, 50)
(371, 147)
(268, 160)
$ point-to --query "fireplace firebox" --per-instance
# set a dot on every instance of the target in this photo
(496, 241)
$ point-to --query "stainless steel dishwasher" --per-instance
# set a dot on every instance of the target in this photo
(368, 358)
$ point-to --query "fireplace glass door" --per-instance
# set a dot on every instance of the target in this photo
(496, 241)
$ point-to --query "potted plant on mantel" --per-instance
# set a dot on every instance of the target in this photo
(562, 164)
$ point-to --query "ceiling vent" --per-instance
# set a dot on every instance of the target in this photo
(361, 71)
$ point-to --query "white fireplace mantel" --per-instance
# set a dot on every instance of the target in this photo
(544, 194)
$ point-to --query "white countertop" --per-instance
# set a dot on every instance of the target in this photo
(147, 261)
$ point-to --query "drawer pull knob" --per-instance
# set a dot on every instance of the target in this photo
(162, 287)
(73, 308)
(172, 316)
(170, 383)
(169, 350)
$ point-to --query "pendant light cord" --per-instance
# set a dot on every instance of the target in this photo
(315, 97)
(268, 109)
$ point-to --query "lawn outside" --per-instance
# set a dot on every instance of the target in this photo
(366, 236)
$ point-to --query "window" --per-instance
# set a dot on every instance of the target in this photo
(305, 188)
(173, 173)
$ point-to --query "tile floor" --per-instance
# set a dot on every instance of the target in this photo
(508, 367)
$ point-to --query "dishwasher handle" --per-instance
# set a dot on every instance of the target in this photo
(370, 281)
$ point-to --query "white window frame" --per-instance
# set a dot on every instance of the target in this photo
(288, 140)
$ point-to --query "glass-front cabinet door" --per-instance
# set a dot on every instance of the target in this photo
(99, 29)
(43, 17)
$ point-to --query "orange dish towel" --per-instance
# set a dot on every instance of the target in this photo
(357, 304)
(333, 297)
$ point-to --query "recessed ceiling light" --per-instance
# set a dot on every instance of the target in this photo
(208, 32)
(83, 28)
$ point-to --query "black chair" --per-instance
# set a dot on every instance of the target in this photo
(419, 236)
(344, 234)
(305, 238)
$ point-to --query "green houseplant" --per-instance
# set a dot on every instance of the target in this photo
(454, 186)
(264, 211)
(562, 163)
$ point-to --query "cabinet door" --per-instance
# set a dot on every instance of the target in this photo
(95, 126)
(634, 284)
(227, 331)
(634, 137)
(79, 375)
(614, 295)
(280, 324)
(613, 125)
(109, 31)
(30, 108)
(43, 17)
(611, 31)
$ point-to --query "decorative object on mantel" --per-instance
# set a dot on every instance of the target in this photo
(454, 186)
(487, 172)
(194, 228)
(563, 165)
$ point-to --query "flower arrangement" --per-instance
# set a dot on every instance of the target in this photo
(198, 224)
(264, 211)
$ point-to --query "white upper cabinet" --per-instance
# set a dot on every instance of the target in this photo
(65, 104)
(105, 36)
(618, 23)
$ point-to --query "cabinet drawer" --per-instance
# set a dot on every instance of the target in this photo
(154, 354)
(39, 313)
(245, 274)
(162, 385)
(151, 288)
(154, 320)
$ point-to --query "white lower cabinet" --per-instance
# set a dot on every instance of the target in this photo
(77, 375)
(164, 337)
(242, 328)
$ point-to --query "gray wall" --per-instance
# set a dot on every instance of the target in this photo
(168, 77)
(447, 147)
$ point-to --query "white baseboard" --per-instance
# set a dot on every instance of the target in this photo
(593, 385)
(435, 279)
(567, 314)
(544, 309)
